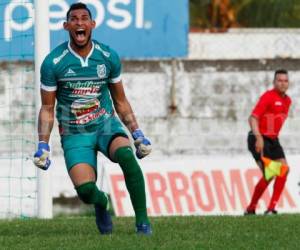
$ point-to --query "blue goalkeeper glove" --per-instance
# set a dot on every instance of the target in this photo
(41, 157)
(141, 143)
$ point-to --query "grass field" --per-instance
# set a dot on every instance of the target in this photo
(253, 232)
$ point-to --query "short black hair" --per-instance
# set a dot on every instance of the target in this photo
(78, 6)
(280, 71)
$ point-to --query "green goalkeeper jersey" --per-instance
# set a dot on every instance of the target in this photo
(81, 85)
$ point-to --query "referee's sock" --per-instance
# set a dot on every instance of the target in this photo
(258, 191)
(278, 188)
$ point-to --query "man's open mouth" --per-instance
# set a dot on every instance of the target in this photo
(80, 34)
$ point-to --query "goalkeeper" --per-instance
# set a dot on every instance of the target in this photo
(84, 76)
(266, 121)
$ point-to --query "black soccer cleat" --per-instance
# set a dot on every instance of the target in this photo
(249, 212)
(270, 212)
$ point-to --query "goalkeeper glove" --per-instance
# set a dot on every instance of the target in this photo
(41, 157)
(141, 143)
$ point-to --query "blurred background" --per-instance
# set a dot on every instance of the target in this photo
(192, 73)
(220, 15)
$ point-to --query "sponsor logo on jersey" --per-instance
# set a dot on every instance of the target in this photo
(89, 117)
(83, 107)
(83, 92)
(101, 71)
(58, 59)
(86, 110)
(278, 103)
(83, 84)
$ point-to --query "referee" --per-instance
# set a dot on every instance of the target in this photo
(266, 121)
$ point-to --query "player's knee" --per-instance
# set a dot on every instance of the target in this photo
(85, 192)
(124, 154)
(125, 157)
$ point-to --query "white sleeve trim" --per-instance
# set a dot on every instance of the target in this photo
(48, 88)
(116, 79)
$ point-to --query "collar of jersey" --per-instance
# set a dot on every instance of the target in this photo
(278, 94)
(84, 62)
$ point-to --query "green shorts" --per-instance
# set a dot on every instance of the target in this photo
(83, 148)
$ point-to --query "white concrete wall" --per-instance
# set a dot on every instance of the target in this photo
(213, 108)
(245, 44)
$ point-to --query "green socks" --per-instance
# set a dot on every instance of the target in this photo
(90, 194)
(134, 180)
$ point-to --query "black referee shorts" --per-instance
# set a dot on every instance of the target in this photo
(272, 148)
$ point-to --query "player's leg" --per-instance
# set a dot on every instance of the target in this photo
(280, 181)
(259, 189)
(121, 152)
(114, 143)
(262, 184)
(81, 161)
(84, 179)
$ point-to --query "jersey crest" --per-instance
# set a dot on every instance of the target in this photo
(101, 71)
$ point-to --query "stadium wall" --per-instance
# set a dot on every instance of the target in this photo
(194, 106)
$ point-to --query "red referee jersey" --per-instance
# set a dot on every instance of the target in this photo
(271, 111)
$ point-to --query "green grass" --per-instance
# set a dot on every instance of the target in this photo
(252, 232)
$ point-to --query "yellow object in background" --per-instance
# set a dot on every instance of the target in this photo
(273, 168)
